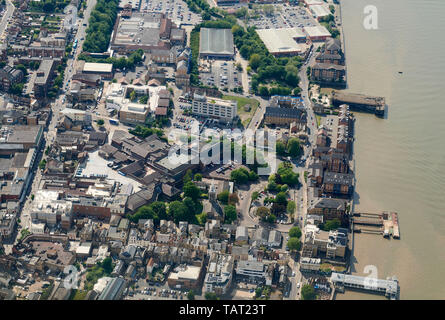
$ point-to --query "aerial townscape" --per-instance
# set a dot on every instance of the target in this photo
(112, 186)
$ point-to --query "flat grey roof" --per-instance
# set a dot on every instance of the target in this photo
(216, 42)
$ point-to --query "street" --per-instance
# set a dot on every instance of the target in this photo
(4, 22)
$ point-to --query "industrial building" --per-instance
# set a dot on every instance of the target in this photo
(216, 43)
(283, 41)
(146, 31)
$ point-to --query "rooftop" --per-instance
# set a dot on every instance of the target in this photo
(216, 41)
(282, 40)
(318, 31)
(97, 67)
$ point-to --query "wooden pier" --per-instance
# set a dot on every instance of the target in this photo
(385, 223)
(360, 102)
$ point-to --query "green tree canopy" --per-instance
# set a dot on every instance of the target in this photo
(291, 206)
(230, 213)
(211, 296)
(191, 190)
(331, 224)
(223, 197)
(281, 148)
(293, 147)
(294, 244)
(308, 292)
(281, 198)
(191, 295)
(295, 232)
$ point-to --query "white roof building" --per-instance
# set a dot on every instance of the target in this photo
(93, 67)
(318, 32)
(320, 11)
(282, 41)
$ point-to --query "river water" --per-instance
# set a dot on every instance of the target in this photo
(400, 161)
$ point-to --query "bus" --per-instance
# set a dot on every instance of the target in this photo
(114, 122)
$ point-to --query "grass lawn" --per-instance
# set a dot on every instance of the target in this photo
(245, 116)
(318, 120)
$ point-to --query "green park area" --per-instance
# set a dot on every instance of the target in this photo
(244, 114)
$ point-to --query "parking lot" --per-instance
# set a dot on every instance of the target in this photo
(145, 291)
(176, 10)
(223, 75)
(284, 16)
(96, 164)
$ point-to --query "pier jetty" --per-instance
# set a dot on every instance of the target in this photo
(360, 102)
(385, 223)
(389, 287)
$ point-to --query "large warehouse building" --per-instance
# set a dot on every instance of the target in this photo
(283, 41)
(146, 31)
(216, 43)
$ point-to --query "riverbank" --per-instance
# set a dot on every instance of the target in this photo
(400, 160)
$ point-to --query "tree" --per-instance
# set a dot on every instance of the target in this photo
(240, 176)
(272, 186)
(255, 195)
(211, 296)
(42, 164)
(294, 244)
(191, 295)
(331, 225)
(295, 232)
(230, 214)
(263, 212)
(291, 206)
(254, 61)
(198, 177)
(143, 99)
(281, 198)
(280, 148)
(271, 218)
(132, 95)
(100, 122)
(308, 292)
(156, 211)
(263, 91)
(188, 176)
(178, 211)
(233, 199)
(286, 174)
(22, 68)
(191, 190)
(223, 197)
(107, 265)
(293, 147)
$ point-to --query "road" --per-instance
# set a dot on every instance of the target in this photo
(8, 14)
(302, 206)
(57, 106)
